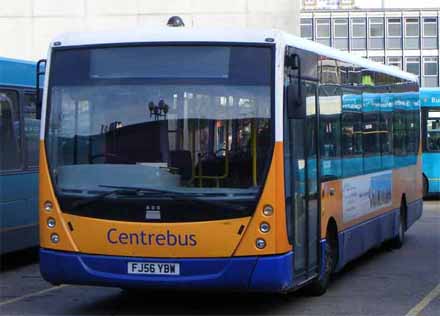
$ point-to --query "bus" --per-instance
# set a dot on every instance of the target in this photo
(221, 159)
(430, 105)
(19, 147)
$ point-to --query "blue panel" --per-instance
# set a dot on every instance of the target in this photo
(372, 163)
(415, 210)
(273, 273)
(430, 97)
(62, 267)
(17, 72)
(18, 199)
(358, 239)
(431, 168)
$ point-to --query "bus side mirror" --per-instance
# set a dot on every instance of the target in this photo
(296, 105)
(40, 72)
(296, 101)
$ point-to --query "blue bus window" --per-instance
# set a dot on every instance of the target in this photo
(10, 143)
(31, 129)
(433, 131)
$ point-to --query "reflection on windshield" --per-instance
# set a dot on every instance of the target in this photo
(197, 136)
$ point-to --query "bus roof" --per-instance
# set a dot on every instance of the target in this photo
(14, 72)
(227, 35)
(430, 97)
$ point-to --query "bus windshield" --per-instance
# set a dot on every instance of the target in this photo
(159, 123)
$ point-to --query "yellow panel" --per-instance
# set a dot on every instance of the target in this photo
(273, 194)
(184, 240)
(47, 194)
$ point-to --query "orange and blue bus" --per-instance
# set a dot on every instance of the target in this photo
(19, 143)
(430, 105)
(215, 159)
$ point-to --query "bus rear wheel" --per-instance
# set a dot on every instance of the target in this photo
(425, 186)
(319, 286)
(397, 242)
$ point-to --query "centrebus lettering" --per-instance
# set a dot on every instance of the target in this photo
(151, 239)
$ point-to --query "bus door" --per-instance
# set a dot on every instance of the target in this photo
(301, 175)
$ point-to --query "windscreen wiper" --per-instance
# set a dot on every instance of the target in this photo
(95, 198)
(182, 196)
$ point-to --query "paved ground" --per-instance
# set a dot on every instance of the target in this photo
(383, 282)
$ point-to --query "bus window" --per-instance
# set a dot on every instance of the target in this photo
(10, 157)
(400, 131)
(351, 134)
(433, 131)
(371, 140)
(386, 130)
(31, 129)
(330, 132)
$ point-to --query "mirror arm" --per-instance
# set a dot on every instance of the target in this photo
(39, 73)
(298, 67)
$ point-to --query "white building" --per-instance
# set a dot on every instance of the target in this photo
(408, 38)
(27, 26)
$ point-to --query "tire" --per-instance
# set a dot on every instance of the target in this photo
(425, 186)
(398, 241)
(319, 286)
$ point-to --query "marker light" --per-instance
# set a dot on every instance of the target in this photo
(55, 238)
(51, 222)
(268, 210)
(48, 206)
(175, 21)
(260, 243)
(264, 227)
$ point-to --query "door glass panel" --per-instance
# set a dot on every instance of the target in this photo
(311, 171)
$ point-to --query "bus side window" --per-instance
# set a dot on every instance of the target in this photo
(10, 141)
(31, 129)
(433, 131)
(330, 132)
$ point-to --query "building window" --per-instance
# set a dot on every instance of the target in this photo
(394, 33)
(376, 33)
(430, 72)
(413, 65)
(395, 61)
(429, 31)
(377, 59)
(412, 33)
(358, 33)
(376, 27)
(307, 28)
(323, 31)
(341, 33)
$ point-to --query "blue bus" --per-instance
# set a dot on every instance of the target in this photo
(430, 103)
(19, 136)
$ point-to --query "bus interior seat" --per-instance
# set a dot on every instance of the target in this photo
(181, 159)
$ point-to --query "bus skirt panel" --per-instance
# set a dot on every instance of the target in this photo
(268, 273)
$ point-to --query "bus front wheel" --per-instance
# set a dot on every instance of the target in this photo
(319, 286)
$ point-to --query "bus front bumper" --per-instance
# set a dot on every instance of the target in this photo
(268, 273)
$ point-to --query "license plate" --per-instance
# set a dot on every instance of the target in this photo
(154, 268)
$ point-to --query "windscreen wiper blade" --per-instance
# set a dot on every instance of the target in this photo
(93, 199)
(187, 197)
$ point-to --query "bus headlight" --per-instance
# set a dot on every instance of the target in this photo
(260, 243)
(55, 238)
(268, 210)
(264, 227)
(48, 206)
(51, 222)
